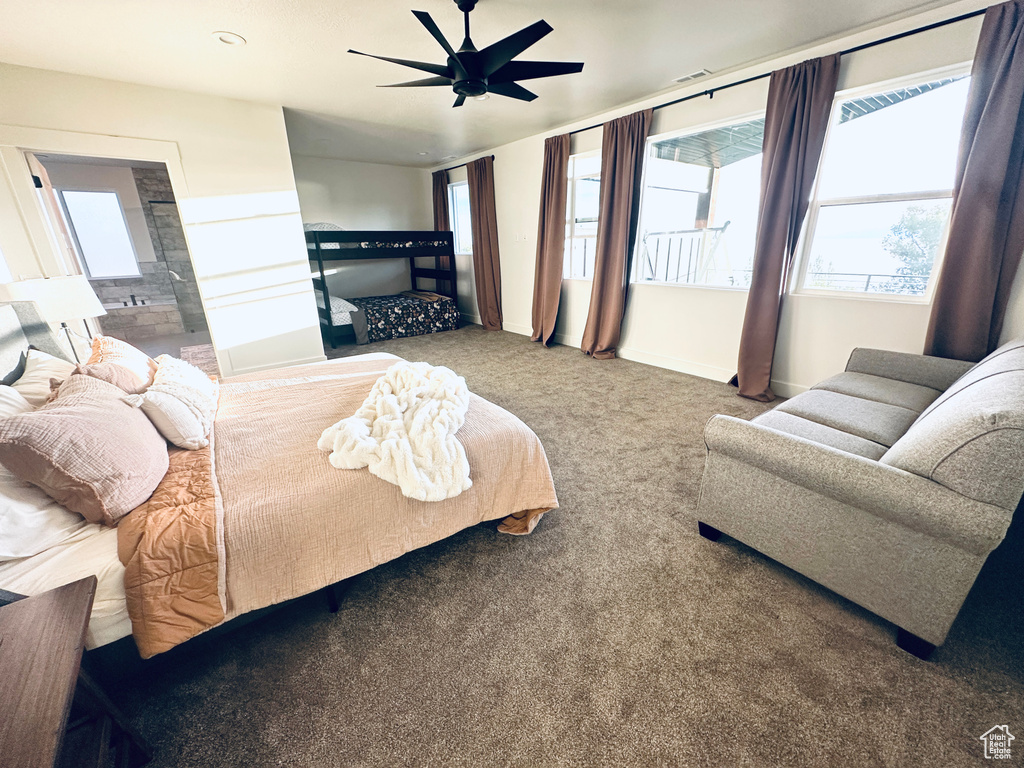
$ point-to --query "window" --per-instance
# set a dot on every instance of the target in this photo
(698, 213)
(884, 192)
(97, 225)
(582, 204)
(458, 206)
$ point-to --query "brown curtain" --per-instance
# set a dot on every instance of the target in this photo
(547, 279)
(441, 224)
(799, 104)
(622, 157)
(440, 189)
(986, 231)
(484, 220)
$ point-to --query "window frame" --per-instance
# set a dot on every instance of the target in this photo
(570, 210)
(675, 134)
(79, 251)
(453, 218)
(806, 242)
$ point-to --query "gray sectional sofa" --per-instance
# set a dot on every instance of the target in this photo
(889, 483)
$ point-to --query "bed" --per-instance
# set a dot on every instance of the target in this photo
(378, 318)
(258, 516)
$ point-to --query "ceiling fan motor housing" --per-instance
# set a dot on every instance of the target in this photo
(472, 73)
(469, 80)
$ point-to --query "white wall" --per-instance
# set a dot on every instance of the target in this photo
(231, 171)
(697, 329)
(105, 178)
(364, 196)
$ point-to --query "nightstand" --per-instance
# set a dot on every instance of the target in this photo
(41, 684)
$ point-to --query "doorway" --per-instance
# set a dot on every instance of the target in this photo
(128, 239)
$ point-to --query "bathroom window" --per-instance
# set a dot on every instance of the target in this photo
(97, 225)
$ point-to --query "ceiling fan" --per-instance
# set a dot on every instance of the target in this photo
(474, 73)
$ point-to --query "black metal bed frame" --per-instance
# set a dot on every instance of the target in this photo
(371, 245)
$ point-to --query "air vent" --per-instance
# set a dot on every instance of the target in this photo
(693, 76)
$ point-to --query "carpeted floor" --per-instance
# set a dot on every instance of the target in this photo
(613, 635)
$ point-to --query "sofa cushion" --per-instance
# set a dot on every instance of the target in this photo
(879, 422)
(819, 433)
(971, 441)
(913, 397)
(1009, 357)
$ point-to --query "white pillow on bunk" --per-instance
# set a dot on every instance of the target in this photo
(30, 521)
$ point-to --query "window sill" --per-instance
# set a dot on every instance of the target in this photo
(698, 286)
(880, 298)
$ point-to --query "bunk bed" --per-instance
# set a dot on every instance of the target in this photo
(376, 318)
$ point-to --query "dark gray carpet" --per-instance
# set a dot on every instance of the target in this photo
(613, 635)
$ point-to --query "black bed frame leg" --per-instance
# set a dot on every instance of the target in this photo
(709, 533)
(335, 593)
(913, 644)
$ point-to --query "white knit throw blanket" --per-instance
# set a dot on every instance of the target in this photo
(405, 432)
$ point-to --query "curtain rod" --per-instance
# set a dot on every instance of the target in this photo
(711, 91)
(462, 165)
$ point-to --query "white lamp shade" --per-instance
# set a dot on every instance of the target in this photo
(59, 298)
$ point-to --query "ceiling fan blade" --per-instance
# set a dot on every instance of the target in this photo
(459, 101)
(419, 83)
(512, 90)
(434, 69)
(529, 70)
(495, 56)
(432, 28)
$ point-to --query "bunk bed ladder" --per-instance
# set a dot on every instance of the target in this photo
(322, 280)
(442, 274)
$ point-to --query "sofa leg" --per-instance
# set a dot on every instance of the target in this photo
(335, 593)
(709, 533)
(913, 644)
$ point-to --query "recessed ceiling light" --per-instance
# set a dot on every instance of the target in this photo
(229, 38)
(422, 153)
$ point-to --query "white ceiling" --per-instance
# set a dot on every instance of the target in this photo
(296, 57)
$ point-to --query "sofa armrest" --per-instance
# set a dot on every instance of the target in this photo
(886, 492)
(935, 372)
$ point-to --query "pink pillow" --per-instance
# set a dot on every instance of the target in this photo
(88, 450)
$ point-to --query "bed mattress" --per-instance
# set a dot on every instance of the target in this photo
(90, 551)
(399, 316)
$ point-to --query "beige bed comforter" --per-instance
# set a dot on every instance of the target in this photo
(292, 523)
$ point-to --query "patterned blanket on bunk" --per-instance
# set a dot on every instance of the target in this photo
(395, 317)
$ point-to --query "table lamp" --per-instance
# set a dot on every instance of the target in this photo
(59, 299)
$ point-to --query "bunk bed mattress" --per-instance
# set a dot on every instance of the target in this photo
(399, 316)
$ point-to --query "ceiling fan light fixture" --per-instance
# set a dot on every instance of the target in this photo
(482, 97)
(229, 38)
(473, 73)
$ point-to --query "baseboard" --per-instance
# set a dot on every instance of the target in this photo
(787, 389)
(566, 340)
(281, 364)
(471, 319)
(522, 330)
(676, 364)
(781, 388)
